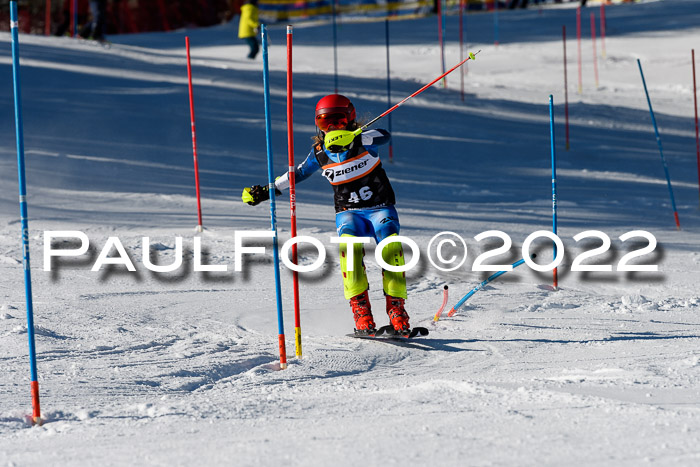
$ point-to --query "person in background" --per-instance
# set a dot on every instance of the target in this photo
(515, 3)
(64, 26)
(248, 26)
(95, 28)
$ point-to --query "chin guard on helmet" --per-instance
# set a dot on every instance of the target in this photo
(340, 139)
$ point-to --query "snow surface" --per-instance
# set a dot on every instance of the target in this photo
(182, 368)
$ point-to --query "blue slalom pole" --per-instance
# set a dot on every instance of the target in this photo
(335, 49)
(555, 283)
(34, 383)
(495, 22)
(271, 186)
(661, 151)
(479, 287)
(388, 88)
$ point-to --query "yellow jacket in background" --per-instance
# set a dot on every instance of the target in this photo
(248, 22)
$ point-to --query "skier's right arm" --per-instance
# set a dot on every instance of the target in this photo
(301, 172)
(257, 194)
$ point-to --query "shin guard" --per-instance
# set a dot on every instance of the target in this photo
(355, 281)
(394, 282)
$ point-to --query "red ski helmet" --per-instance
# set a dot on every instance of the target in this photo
(334, 104)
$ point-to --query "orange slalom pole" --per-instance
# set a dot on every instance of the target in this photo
(194, 136)
(292, 191)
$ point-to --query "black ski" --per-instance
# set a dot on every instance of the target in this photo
(388, 332)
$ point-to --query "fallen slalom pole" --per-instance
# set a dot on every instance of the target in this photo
(34, 382)
(480, 286)
(345, 137)
(271, 185)
(444, 302)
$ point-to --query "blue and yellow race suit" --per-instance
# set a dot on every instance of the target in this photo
(364, 204)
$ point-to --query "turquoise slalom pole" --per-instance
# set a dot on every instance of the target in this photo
(479, 287)
(271, 186)
(661, 151)
(34, 383)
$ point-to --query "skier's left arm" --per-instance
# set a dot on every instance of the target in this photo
(375, 138)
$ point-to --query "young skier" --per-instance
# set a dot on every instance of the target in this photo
(364, 206)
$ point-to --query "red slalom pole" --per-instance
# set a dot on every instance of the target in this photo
(695, 100)
(602, 26)
(566, 90)
(194, 135)
(595, 51)
(164, 15)
(578, 39)
(73, 14)
(47, 20)
(292, 191)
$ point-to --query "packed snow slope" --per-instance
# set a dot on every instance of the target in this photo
(182, 368)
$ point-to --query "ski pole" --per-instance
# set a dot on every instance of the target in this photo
(478, 287)
(345, 137)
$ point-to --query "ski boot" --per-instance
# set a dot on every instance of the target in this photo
(397, 315)
(362, 311)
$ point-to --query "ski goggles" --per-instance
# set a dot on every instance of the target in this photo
(337, 120)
